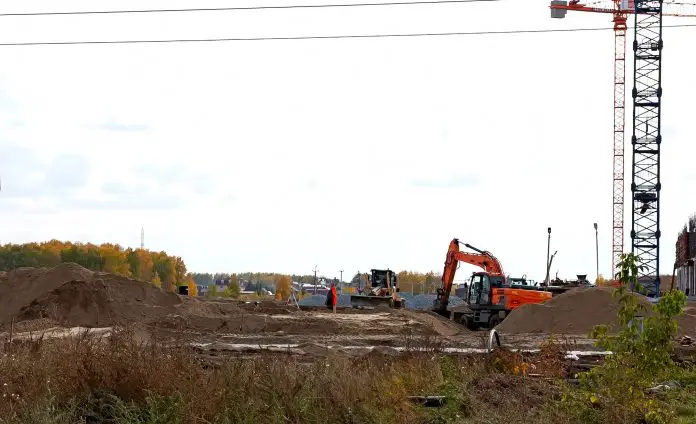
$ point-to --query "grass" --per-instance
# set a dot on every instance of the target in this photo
(119, 380)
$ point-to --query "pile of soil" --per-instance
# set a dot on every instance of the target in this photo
(84, 298)
(21, 286)
(578, 311)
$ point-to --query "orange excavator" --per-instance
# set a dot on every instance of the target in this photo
(490, 296)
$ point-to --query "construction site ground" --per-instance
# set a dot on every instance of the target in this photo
(69, 299)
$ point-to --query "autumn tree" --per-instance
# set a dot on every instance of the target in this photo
(145, 265)
(234, 280)
(165, 266)
(114, 259)
(156, 280)
(192, 287)
(283, 287)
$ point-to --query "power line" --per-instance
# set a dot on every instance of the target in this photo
(221, 9)
(317, 37)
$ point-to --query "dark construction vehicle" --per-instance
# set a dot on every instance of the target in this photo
(490, 296)
(381, 290)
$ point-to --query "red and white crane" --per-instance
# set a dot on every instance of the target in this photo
(620, 9)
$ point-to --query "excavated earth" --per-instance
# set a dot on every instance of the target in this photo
(68, 298)
(578, 311)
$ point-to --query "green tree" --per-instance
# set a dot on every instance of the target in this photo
(639, 358)
(212, 290)
(232, 290)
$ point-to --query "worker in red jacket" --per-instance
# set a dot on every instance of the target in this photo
(334, 297)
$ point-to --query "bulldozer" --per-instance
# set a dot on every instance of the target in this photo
(381, 289)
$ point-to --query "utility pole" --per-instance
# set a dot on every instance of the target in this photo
(597, 247)
(548, 254)
(341, 271)
(315, 279)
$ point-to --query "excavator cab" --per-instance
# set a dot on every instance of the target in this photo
(481, 288)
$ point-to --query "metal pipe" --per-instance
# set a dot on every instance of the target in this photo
(548, 257)
(597, 248)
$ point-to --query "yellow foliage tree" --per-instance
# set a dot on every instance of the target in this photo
(192, 287)
(601, 281)
(156, 280)
(145, 265)
(115, 259)
(283, 286)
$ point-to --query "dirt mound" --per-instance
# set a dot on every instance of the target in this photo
(440, 325)
(102, 300)
(687, 322)
(21, 286)
(577, 312)
(574, 312)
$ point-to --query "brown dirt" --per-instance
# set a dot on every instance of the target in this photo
(101, 300)
(24, 285)
(71, 295)
(578, 311)
(687, 322)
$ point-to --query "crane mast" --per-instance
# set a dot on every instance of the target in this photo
(646, 136)
(619, 122)
(646, 141)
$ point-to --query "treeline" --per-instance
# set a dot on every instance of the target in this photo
(156, 267)
(257, 281)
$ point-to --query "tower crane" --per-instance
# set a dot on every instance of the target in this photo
(646, 137)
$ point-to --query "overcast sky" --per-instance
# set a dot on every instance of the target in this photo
(345, 153)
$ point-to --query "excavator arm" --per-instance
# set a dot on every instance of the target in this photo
(482, 259)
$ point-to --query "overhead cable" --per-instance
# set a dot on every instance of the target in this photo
(314, 37)
(241, 8)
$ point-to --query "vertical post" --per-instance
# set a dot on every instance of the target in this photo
(315, 279)
(548, 253)
(597, 247)
(341, 271)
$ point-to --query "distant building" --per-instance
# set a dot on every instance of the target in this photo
(685, 275)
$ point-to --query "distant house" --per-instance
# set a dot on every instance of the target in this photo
(685, 270)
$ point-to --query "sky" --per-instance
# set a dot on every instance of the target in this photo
(344, 154)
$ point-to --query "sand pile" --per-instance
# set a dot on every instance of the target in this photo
(577, 312)
(103, 300)
(23, 285)
(72, 295)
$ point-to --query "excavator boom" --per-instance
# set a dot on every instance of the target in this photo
(482, 259)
